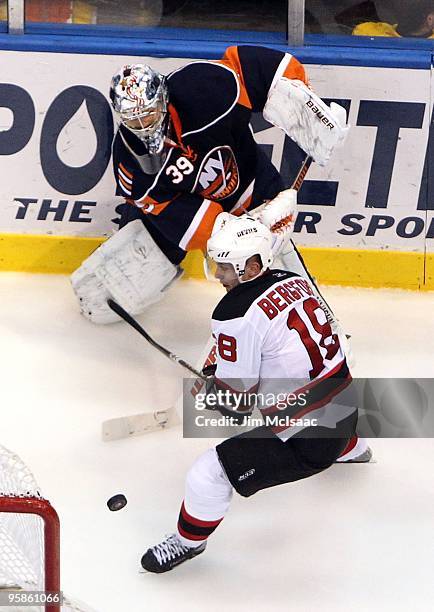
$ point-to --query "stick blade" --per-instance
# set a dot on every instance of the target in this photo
(139, 424)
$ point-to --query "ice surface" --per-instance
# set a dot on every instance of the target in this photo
(357, 537)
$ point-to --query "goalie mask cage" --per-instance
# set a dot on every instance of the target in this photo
(29, 536)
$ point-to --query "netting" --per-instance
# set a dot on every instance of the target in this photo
(27, 553)
(21, 535)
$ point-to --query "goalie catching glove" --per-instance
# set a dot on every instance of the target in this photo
(317, 128)
(279, 216)
(130, 268)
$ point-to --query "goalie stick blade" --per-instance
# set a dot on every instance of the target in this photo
(139, 424)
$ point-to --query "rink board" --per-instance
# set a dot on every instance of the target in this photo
(365, 219)
(352, 267)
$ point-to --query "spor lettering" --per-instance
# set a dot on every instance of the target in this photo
(407, 227)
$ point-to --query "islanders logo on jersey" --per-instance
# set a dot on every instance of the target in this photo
(218, 175)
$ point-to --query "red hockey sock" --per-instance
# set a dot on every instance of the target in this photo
(194, 531)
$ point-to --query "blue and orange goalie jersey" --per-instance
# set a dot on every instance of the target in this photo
(215, 164)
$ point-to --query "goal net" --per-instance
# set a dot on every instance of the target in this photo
(29, 537)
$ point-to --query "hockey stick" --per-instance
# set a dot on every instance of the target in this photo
(138, 424)
(123, 314)
(145, 422)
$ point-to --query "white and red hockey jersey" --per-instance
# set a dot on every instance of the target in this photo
(273, 339)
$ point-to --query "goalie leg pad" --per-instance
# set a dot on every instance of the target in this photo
(317, 128)
(130, 268)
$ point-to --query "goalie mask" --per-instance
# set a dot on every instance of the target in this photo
(234, 241)
(139, 97)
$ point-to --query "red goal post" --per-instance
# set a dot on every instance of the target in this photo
(51, 539)
(29, 533)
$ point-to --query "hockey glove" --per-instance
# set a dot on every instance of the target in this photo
(222, 400)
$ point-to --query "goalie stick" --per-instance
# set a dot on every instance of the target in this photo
(297, 183)
(302, 173)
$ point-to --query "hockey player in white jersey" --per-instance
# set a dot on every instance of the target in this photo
(269, 326)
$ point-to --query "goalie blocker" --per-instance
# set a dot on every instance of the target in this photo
(317, 128)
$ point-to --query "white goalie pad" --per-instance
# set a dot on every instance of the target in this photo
(130, 268)
(317, 128)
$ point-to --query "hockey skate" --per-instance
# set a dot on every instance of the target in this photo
(168, 554)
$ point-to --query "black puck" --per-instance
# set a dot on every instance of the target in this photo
(117, 502)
